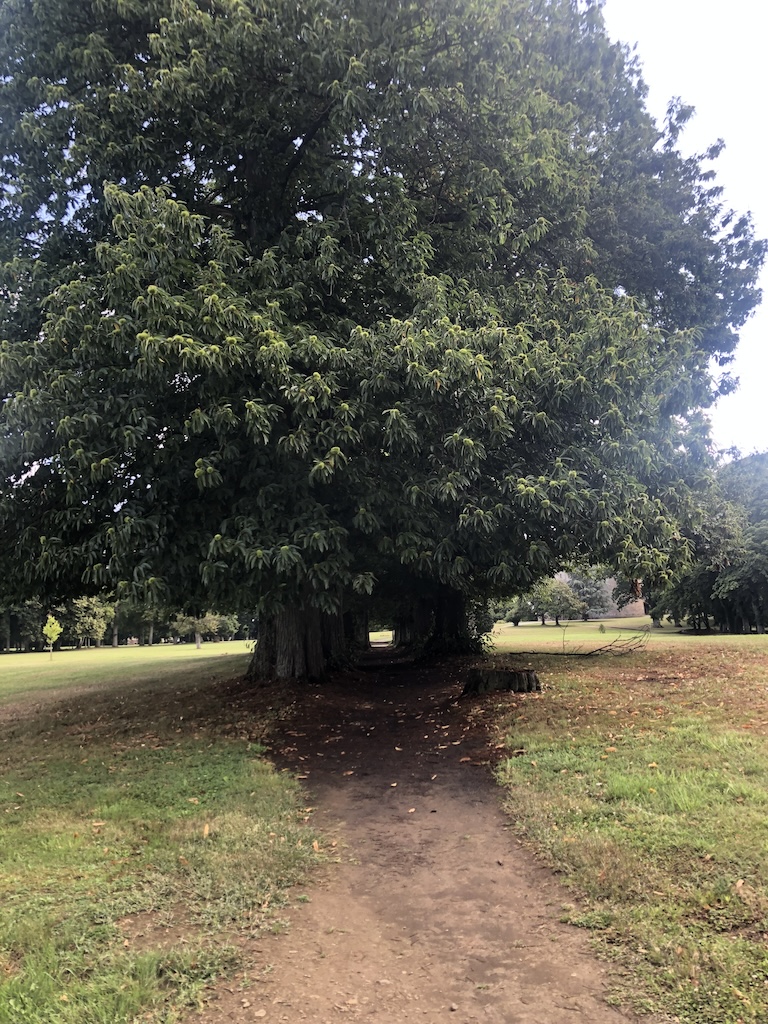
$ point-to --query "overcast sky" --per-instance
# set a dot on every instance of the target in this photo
(715, 57)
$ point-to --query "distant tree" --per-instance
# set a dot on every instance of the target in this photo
(197, 626)
(87, 618)
(227, 626)
(589, 586)
(556, 599)
(52, 630)
(30, 619)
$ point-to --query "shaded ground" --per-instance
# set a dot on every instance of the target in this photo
(435, 911)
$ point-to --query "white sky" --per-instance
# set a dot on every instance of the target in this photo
(715, 58)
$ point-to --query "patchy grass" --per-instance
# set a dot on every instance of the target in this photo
(143, 802)
(644, 781)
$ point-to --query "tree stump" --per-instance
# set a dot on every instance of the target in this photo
(486, 680)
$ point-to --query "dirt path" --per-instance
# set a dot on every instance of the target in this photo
(436, 912)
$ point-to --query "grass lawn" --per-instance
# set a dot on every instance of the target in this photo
(644, 781)
(142, 833)
(121, 666)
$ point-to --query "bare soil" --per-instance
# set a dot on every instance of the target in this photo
(430, 908)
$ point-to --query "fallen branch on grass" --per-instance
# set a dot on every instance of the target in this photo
(617, 648)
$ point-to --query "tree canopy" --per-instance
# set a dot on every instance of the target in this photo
(303, 301)
(726, 583)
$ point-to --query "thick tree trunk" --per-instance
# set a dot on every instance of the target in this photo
(402, 632)
(451, 633)
(290, 646)
(151, 634)
(332, 639)
(356, 629)
(115, 630)
(414, 626)
(198, 639)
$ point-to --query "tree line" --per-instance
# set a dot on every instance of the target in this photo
(93, 621)
(724, 586)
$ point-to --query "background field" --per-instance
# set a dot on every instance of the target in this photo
(122, 666)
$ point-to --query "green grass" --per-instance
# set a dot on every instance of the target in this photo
(132, 813)
(105, 666)
(644, 781)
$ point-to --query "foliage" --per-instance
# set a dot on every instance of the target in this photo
(202, 625)
(589, 585)
(512, 610)
(556, 599)
(295, 303)
(52, 630)
(727, 581)
(86, 619)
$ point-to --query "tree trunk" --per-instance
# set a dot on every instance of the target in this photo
(198, 639)
(758, 618)
(290, 646)
(356, 629)
(332, 638)
(151, 634)
(414, 626)
(450, 634)
(402, 631)
(115, 630)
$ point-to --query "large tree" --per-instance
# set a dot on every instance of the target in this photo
(304, 299)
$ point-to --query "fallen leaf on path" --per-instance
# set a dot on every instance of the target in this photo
(206, 830)
(347, 773)
(316, 846)
(411, 810)
(463, 759)
(392, 785)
